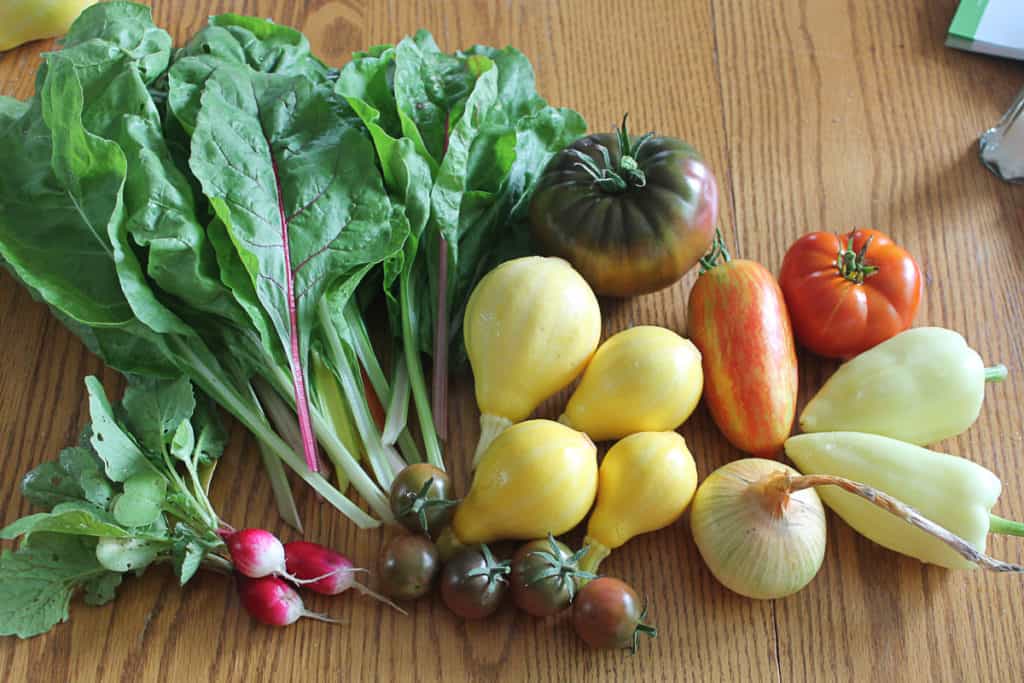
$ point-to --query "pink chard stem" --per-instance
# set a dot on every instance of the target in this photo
(295, 357)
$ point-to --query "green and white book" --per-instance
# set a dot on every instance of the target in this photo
(994, 27)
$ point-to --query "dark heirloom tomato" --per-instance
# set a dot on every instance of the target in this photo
(632, 215)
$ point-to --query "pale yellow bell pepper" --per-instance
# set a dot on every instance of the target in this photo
(22, 21)
(921, 386)
(951, 491)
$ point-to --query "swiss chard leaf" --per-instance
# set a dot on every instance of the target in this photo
(255, 45)
(11, 109)
(429, 89)
(38, 580)
(128, 26)
(285, 168)
(44, 237)
(115, 121)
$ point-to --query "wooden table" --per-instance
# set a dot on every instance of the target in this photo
(815, 115)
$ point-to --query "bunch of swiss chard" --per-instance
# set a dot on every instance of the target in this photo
(131, 493)
(224, 211)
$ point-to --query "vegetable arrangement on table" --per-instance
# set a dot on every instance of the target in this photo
(218, 222)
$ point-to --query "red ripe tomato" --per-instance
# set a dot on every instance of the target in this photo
(848, 293)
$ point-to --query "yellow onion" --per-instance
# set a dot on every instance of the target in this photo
(760, 527)
(758, 537)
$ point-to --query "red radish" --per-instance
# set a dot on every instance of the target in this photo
(257, 553)
(326, 571)
(273, 602)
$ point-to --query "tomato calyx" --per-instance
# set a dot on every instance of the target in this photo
(492, 569)
(563, 571)
(852, 265)
(644, 628)
(420, 503)
(609, 178)
(717, 251)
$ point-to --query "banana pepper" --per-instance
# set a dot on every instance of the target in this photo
(953, 492)
(25, 20)
(921, 386)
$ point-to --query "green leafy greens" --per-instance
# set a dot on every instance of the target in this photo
(222, 214)
(129, 496)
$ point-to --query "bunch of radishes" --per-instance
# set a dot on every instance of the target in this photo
(266, 569)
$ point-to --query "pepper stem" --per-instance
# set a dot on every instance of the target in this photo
(904, 512)
(996, 373)
(999, 525)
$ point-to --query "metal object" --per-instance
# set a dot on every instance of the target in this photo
(1002, 147)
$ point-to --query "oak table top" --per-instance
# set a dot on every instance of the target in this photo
(814, 114)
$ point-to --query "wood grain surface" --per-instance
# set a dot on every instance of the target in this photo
(815, 114)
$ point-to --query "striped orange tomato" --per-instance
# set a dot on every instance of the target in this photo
(737, 318)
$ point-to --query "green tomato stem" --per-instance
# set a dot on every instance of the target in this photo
(996, 373)
(853, 265)
(999, 525)
(644, 628)
(717, 251)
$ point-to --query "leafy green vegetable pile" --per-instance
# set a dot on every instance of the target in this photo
(116, 502)
(226, 210)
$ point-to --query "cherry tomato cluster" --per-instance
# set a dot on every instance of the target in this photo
(543, 576)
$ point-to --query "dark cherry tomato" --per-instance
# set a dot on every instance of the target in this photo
(607, 614)
(421, 498)
(473, 583)
(545, 576)
(408, 567)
